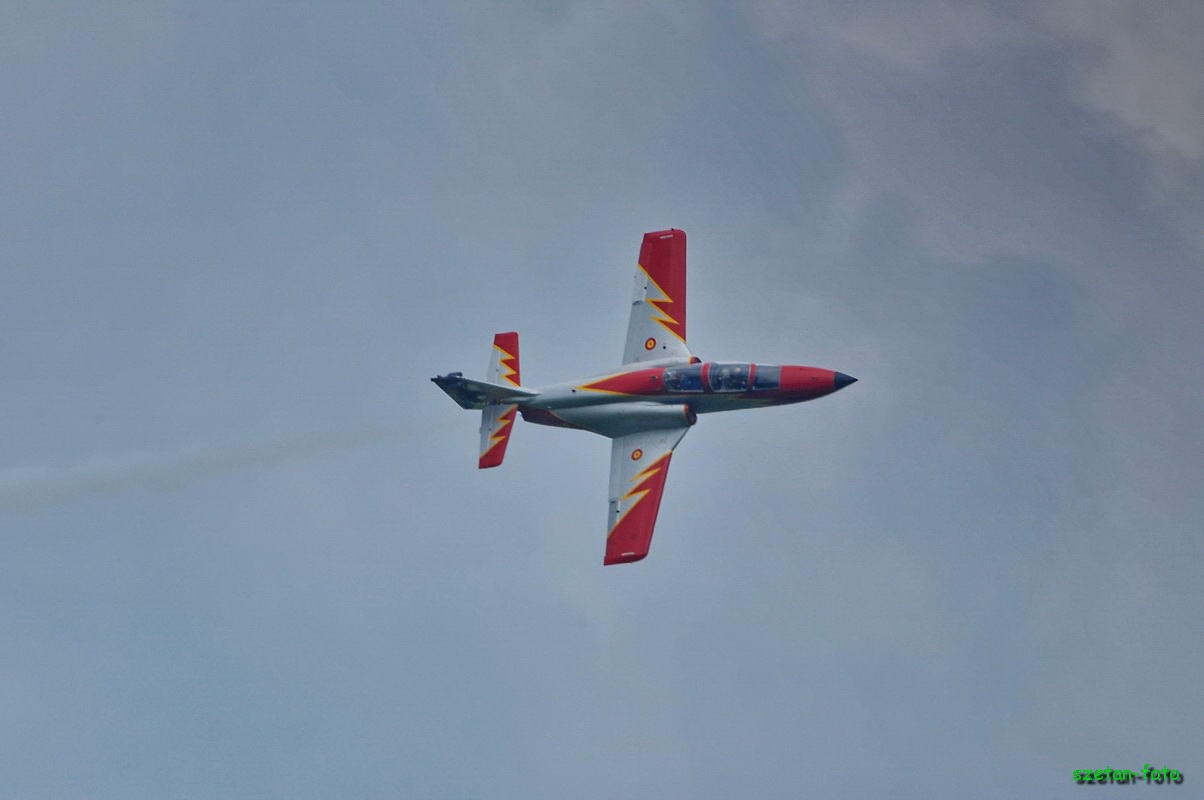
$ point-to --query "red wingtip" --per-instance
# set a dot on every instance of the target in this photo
(631, 559)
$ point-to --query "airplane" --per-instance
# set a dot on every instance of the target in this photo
(646, 406)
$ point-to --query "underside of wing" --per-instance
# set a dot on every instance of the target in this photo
(639, 465)
(657, 328)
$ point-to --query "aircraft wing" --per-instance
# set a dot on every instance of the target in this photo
(639, 464)
(657, 328)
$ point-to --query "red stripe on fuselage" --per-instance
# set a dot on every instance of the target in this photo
(642, 381)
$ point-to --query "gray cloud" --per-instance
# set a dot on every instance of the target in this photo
(1132, 66)
(1140, 64)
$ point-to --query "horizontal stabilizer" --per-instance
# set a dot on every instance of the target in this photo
(478, 394)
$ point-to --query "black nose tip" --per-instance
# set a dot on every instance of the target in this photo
(843, 380)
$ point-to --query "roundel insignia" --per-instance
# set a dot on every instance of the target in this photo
(637, 454)
(649, 343)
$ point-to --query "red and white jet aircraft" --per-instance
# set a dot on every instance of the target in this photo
(645, 406)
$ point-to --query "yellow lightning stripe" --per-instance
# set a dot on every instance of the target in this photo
(648, 473)
(638, 494)
(510, 371)
(500, 436)
(664, 315)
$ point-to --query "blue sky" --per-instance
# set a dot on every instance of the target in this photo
(245, 551)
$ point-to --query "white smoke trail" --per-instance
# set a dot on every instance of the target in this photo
(29, 489)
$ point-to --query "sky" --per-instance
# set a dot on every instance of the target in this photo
(245, 551)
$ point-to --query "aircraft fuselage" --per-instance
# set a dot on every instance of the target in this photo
(699, 387)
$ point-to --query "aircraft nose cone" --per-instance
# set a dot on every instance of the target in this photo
(843, 380)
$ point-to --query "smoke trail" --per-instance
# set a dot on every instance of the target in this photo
(29, 489)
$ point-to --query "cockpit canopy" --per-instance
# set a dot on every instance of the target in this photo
(766, 376)
(722, 377)
(728, 377)
(684, 379)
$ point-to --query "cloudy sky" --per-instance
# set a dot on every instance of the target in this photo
(244, 548)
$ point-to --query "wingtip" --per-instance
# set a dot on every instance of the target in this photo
(623, 558)
(667, 233)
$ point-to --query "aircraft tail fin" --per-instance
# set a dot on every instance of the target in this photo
(503, 360)
(497, 398)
